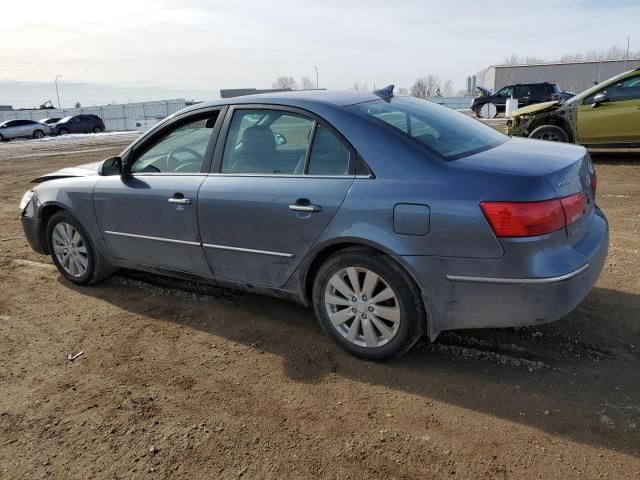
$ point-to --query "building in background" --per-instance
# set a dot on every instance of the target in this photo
(572, 76)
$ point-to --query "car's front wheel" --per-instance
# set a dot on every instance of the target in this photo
(63, 131)
(368, 304)
(551, 133)
(97, 129)
(72, 250)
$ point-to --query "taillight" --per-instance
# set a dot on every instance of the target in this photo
(594, 180)
(528, 219)
(573, 207)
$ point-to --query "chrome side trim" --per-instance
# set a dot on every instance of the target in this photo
(159, 239)
(517, 281)
(248, 250)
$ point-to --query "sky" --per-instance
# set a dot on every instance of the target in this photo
(137, 50)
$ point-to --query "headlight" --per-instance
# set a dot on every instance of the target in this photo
(26, 198)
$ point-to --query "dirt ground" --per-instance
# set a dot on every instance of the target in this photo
(183, 381)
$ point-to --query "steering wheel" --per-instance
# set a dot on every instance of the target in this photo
(174, 165)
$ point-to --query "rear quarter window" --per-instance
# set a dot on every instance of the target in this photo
(445, 132)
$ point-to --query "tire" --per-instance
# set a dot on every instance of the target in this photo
(97, 129)
(551, 133)
(63, 131)
(389, 337)
(477, 111)
(57, 235)
(38, 134)
(2, 139)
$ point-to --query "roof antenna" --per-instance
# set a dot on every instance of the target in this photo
(385, 93)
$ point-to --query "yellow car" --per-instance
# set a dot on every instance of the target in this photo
(606, 115)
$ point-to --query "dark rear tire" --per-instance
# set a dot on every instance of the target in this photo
(63, 131)
(551, 133)
(38, 134)
(2, 139)
(376, 311)
(97, 129)
(72, 250)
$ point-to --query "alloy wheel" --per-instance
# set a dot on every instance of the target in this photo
(70, 249)
(362, 307)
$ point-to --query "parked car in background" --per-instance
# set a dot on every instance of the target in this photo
(392, 216)
(22, 129)
(606, 115)
(49, 121)
(78, 124)
(526, 93)
(564, 96)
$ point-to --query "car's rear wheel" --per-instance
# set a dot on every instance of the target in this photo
(97, 129)
(72, 250)
(551, 133)
(63, 131)
(2, 139)
(368, 304)
(38, 134)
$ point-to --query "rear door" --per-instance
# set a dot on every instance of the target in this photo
(616, 120)
(280, 176)
(150, 217)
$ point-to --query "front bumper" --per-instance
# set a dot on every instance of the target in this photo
(31, 227)
(478, 301)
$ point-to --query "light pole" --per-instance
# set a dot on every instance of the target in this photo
(58, 94)
(316, 75)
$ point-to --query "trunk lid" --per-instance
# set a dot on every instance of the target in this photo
(566, 168)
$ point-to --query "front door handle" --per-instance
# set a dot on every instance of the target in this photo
(304, 205)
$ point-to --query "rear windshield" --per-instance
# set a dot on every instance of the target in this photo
(444, 131)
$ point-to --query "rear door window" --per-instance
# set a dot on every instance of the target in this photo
(271, 142)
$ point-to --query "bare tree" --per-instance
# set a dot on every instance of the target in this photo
(403, 91)
(285, 82)
(447, 89)
(419, 88)
(612, 53)
(307, 84)
(359, 87)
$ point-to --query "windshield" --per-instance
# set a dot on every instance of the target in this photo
(595, 88)
(444, 131)
(65, 119)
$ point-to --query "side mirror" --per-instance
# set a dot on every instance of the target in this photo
(111, 166)
(280, 139)
(598, 99)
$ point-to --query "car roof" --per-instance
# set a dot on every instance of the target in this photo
(295, 98)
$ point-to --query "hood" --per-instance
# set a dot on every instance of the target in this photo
(485, 91)
(536, 108)
(86, 170)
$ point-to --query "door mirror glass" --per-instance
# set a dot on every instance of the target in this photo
(280, 139)
(111, 166)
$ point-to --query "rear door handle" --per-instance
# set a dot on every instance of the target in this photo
(305, 208)
(304, 205)
(180, 201)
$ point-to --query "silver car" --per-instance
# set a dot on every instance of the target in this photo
(23, 129)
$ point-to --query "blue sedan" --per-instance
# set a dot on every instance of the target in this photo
(393, 217)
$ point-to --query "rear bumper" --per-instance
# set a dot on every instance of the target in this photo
(31, 227)
(478, 301)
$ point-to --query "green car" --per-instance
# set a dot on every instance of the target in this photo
(606, 115)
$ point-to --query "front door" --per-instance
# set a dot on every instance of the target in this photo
(616, 120)
(150, 217)
(281, 178)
